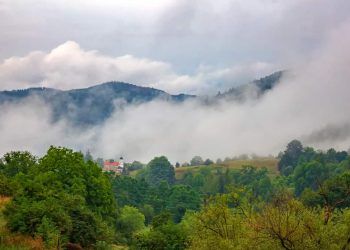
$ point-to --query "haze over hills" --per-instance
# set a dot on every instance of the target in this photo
(139, 125)
(93, 105)
(255, 88)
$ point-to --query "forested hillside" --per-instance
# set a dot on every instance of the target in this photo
(89, 106)
(93, 105)
(255, 88)
(64, 201)
(174, 125)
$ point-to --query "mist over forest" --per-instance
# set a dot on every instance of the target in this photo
(174, 124)
(240, 120)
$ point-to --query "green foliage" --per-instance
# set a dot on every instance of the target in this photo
(148, 211)
(204, 181)
(217, 227)
(17, 162)
(7, 187)
(196, 161)
(283, 223)
(49, 233)
(310, 175)
(256, 180)
(207, 181)
(135, 165)
(163, 235)
(130, 221)
(63, 198)
(208, 162)
(158, 170)
(287, 224)
(337, 190)
(181, 199)
(290, 157)
(152, 200)
(130, 191)
(323, 184)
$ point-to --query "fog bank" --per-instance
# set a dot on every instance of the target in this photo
(310, 104)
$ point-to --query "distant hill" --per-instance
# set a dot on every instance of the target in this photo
(253, 89)
(91, 105)
(269, 163)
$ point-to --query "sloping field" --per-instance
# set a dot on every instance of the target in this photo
(269, 163)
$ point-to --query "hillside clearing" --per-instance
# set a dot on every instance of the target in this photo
(269, 163)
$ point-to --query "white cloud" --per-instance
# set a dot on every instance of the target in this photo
(183, 33)
(216, 45)
(313, 98)
(69, 66)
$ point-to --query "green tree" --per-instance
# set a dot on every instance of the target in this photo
(130, 221)
(181, 199)
(256, 180)
(196, 161)
(164, 234)
(63, 196)
(135, 165)
(332, 194)
(286, 224)
(290, 157)
(7, 186)
(148, 212)
(159, 169)
(217, 226)
(310, 175)
(130, 191)
(208, 162)
(17, 162)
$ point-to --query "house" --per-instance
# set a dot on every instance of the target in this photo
(114, 166)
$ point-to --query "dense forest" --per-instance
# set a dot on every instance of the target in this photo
(64, 200)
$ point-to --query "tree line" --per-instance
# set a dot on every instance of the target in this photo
(66, 199)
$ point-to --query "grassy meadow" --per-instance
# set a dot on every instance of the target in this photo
(269, 163)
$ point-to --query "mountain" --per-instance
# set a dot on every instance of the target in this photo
(93, 105)
(90, 106)
(253, 89)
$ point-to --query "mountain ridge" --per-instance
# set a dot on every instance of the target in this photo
(256, 88)
(92, 105)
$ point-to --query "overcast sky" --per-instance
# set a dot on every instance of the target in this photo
(190, 46)
(195, 46)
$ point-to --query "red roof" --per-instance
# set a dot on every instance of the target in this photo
(108, 163)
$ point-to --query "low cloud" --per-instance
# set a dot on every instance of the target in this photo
(69, 66)
(315, 95)
(27, 126)
(329, 134)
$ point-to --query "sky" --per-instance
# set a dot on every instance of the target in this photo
(177, 45)
(195, 47)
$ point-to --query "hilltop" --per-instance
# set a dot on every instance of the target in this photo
(90, 106)
(269, 163)
(93, 105)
